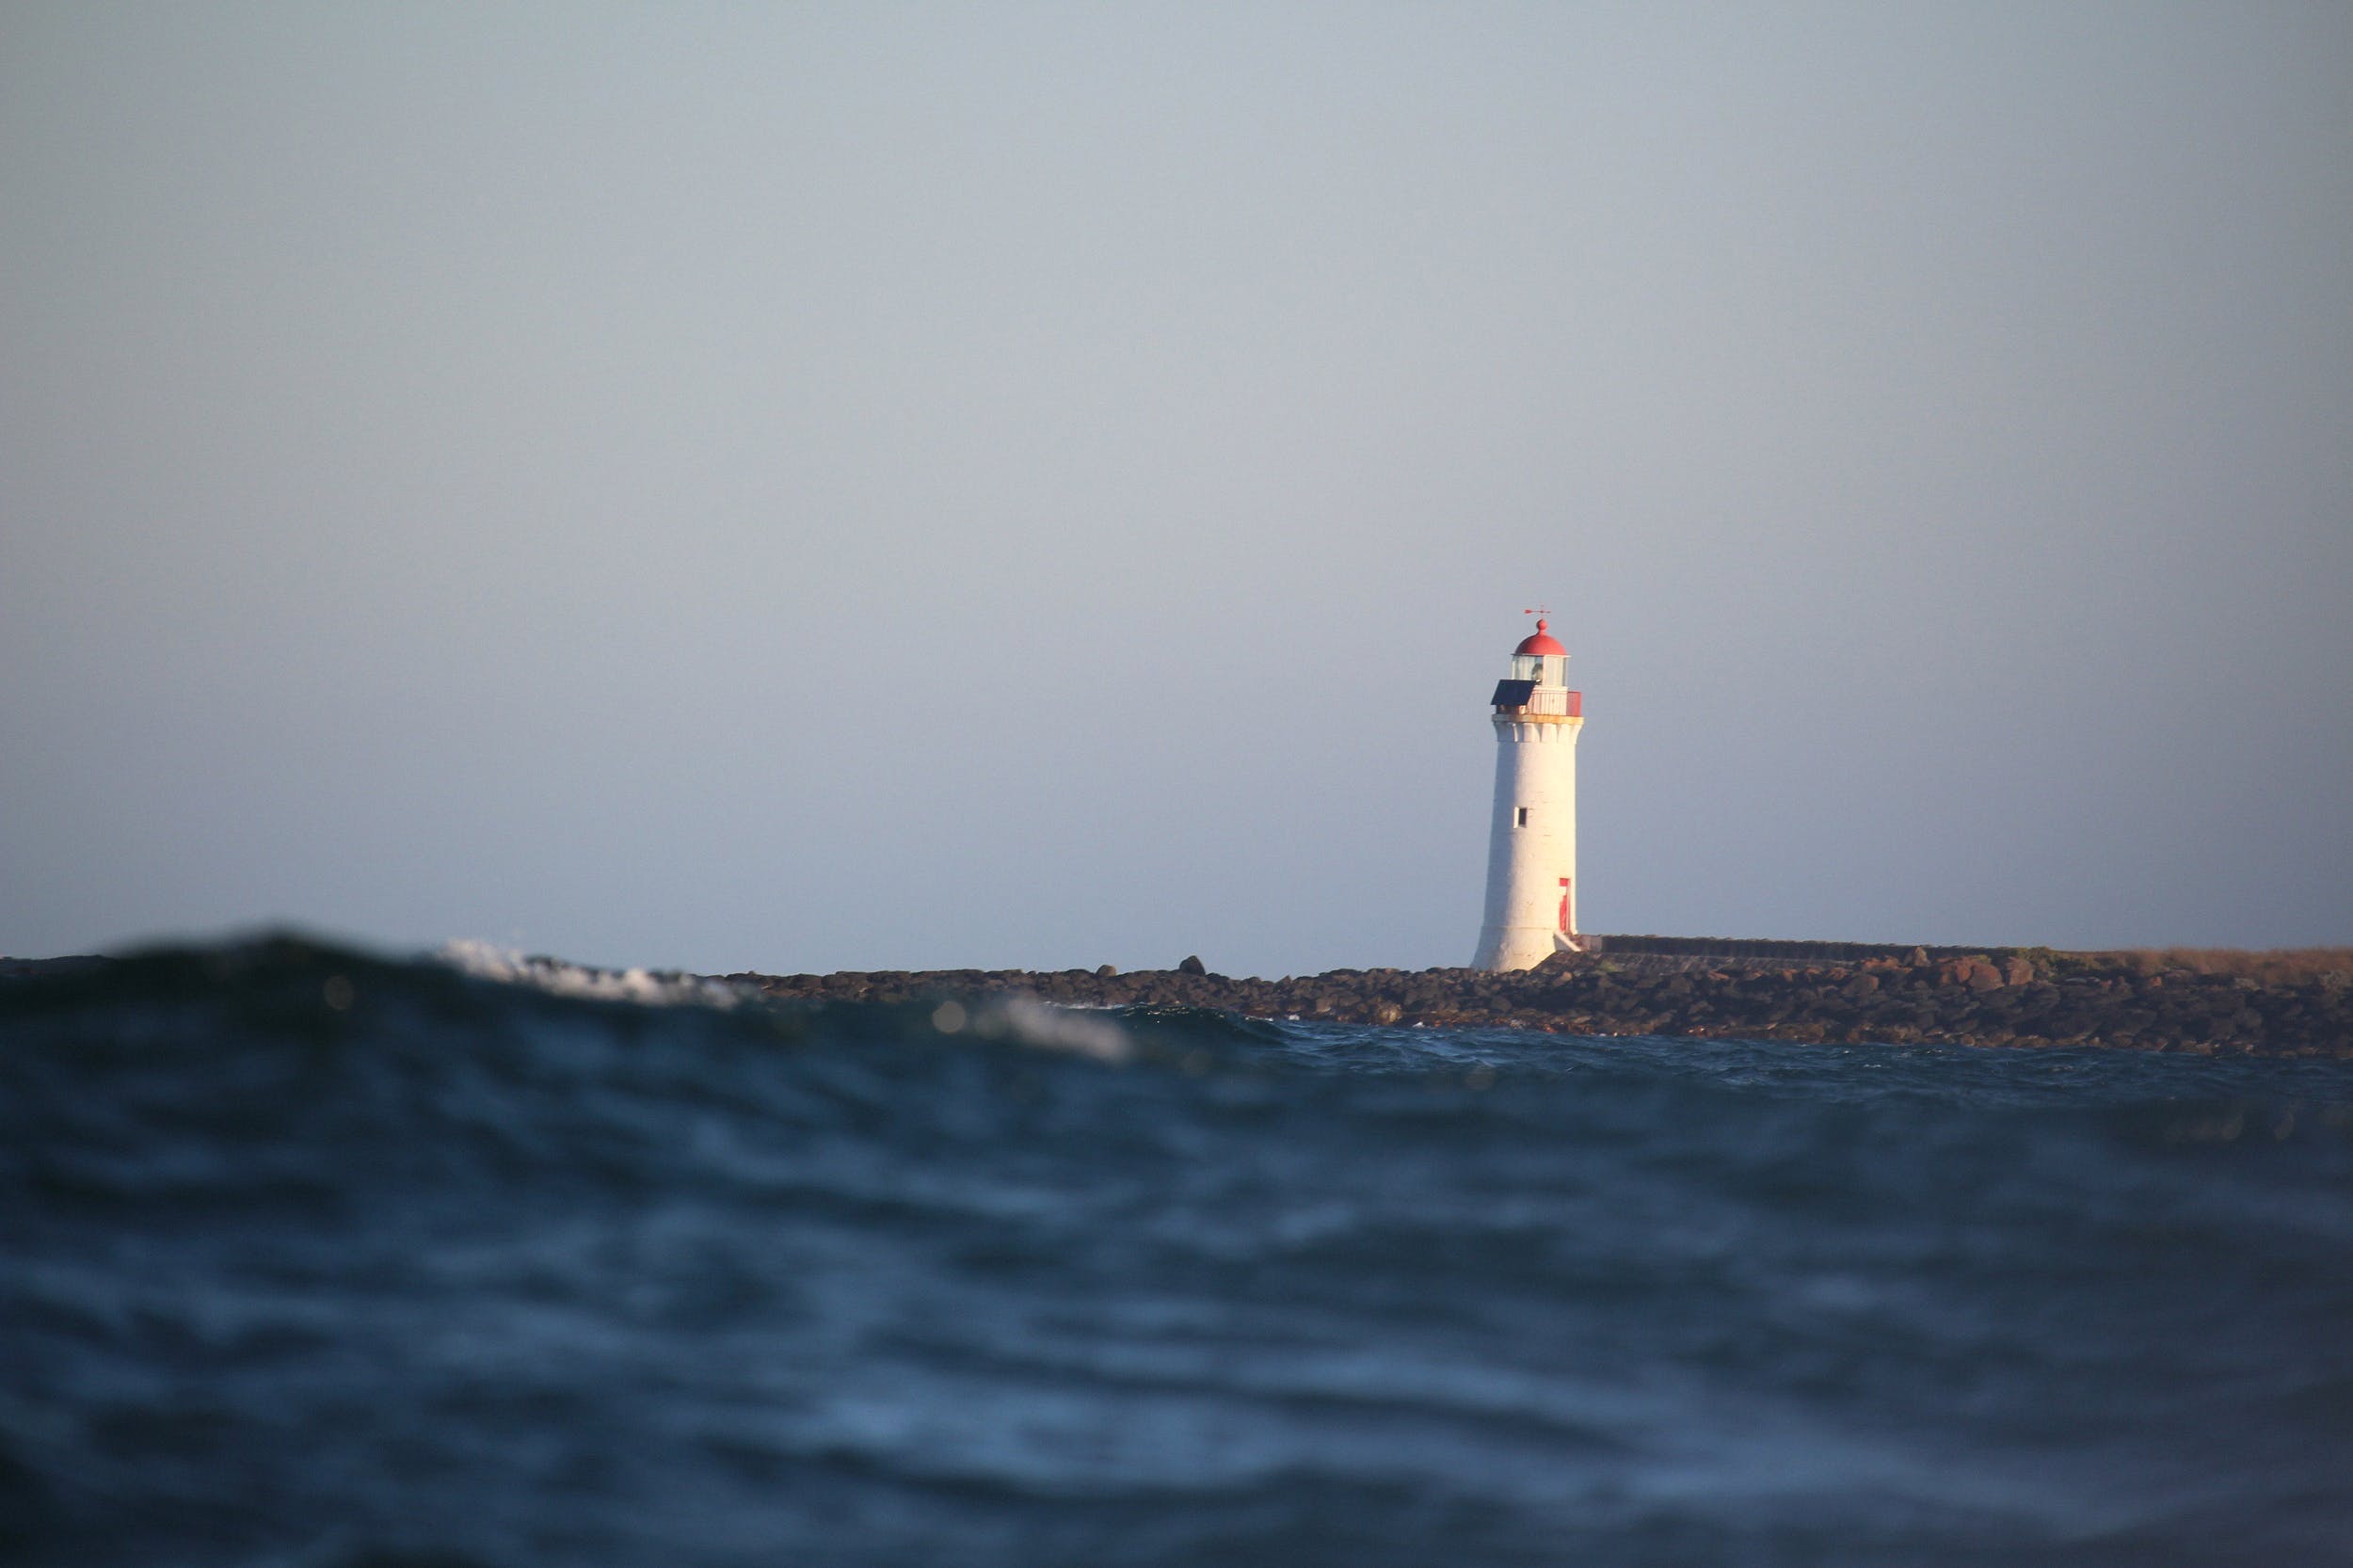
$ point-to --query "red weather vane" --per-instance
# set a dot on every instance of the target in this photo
(1535, 612)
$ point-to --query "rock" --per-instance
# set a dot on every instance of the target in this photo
(1987, 1000)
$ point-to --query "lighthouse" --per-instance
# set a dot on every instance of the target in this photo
(1531, 843)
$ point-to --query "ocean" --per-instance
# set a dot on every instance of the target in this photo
(316, 1259)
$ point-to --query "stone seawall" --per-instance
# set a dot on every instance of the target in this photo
(1749, 952)
(1691, 986)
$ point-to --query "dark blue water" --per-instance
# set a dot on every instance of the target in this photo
(308, 1260)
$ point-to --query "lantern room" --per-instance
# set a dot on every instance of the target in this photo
(1541, 660)
(1539, 678)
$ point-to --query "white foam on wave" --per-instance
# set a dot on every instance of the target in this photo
(650, 987)
(1020, 1021)
(1040, 1025)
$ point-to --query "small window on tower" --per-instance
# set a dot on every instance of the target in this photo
(1523, 816)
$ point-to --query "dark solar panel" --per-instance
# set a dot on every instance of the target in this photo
(1513, 693)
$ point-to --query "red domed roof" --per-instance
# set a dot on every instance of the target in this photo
(1538, 643)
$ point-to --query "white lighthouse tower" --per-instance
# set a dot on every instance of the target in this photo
(1531, 848)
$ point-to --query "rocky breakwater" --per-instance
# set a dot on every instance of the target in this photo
(2023, 997)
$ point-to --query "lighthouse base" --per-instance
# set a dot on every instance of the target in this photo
(1521, 947)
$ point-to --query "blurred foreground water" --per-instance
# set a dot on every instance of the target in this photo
(308, 1258)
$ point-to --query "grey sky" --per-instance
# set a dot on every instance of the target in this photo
(864, 487)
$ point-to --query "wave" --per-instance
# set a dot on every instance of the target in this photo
(623, 1267)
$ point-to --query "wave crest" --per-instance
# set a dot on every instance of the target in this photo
(647, 987)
